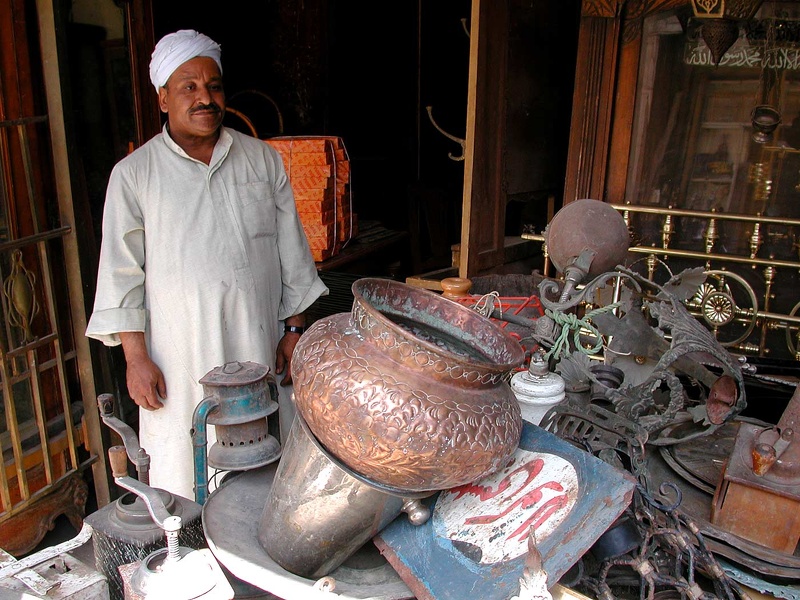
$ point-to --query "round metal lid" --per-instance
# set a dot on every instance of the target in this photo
(235, 373)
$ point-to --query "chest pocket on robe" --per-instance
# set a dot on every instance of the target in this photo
(257, 213)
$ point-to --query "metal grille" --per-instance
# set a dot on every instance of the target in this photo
(39, 445)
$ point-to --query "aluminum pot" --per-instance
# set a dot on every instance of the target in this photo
(409, 389)
(317, 514)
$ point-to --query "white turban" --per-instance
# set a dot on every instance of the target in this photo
(175, 49)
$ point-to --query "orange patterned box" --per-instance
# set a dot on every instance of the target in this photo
(320, 243)
(299, 144)
(320, 254)
(315, 143)
(308, 171)
(342, 169)
(307, 183)
(307, 206)
(317, 218)
(326, 230)
(302, 159)
(319, 173)
(314, 194)
(345, 229)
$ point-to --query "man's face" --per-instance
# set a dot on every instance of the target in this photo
(194, 99)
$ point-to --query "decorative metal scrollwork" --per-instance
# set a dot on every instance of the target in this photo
(19, 288)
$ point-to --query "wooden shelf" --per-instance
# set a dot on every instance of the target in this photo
(372, 238)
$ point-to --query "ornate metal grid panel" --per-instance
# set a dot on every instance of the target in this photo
(38, 434)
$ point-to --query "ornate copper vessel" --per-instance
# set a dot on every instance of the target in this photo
(409, 389)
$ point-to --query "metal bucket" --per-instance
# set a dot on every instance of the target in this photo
(318, 513)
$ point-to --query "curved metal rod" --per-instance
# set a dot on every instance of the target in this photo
(448, 136)
(248, 123)
(266, 97)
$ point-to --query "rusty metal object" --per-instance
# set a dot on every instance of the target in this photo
(761, 480)
(721, 399)
(763, 458)
(239, 396)
(690, 349)
(409, 389)
(746, 503)
(587, 224)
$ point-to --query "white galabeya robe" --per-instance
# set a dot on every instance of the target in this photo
(206, 260)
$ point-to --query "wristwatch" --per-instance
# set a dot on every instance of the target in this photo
(294, 329)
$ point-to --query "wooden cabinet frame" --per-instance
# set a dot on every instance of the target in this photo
(508, 126)
(483, 214)
(609, 45)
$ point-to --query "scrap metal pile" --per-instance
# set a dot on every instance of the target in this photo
(651, 391)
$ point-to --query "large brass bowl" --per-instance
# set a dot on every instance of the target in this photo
(409, 389)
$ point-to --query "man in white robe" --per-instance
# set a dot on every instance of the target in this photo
(203, 259)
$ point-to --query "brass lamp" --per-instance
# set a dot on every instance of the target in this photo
(720, 27)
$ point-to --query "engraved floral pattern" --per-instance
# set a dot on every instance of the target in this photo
(406, 427)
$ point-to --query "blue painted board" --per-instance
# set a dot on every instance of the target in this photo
(475, 543)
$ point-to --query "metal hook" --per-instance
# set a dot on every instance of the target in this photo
(460, 141)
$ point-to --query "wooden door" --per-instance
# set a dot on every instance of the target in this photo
(49, 429)
(483, 208)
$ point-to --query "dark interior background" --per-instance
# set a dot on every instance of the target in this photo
(365, 72)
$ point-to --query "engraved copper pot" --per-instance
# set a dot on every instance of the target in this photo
(409, 389)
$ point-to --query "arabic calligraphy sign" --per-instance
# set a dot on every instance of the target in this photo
(475, 543)
(741, 54)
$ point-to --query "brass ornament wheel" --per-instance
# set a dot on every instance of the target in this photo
(731, 311)
(792, 332)
(719, 309)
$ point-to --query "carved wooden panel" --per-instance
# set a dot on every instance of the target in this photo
(635, 8)
(591, 108)
(602, 8)
(22, 533)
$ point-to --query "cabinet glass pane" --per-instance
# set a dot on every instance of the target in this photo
(697, 148)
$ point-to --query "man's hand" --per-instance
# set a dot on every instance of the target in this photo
(283, 355)
(146, 384)
(283, 358)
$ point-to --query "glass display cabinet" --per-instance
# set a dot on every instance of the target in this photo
(696, 140)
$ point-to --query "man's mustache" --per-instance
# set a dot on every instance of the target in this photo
(213, 106)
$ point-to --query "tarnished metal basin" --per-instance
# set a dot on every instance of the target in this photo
(409, 389)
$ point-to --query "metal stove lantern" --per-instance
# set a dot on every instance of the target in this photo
(239, 396)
